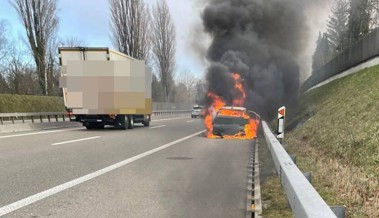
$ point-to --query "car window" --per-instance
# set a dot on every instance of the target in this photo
(197, 108)
(230, 121)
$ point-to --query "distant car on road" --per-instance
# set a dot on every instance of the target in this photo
(230, 121)
(196, 111)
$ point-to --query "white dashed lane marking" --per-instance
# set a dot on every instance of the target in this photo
(76, 140)
(154, 127)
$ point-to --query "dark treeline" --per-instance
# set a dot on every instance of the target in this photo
(349, 21)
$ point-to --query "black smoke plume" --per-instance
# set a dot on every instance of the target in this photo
(260, 40)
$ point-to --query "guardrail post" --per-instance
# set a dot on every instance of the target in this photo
(48, 118)
(64, 118)
(1, 120)
(308, 175)
(23, 120)
(293, 157)
(339, 211)
(56, 118)
(40, 118)
(12, 120)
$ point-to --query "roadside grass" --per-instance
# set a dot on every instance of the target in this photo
(336, 136)
(274, 200)
(28, 103)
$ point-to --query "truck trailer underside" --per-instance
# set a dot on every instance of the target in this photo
(121, 121)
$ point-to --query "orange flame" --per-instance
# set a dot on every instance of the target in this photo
(211, 112)
(250, 128)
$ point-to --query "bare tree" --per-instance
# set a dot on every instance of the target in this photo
(4, 88)
(156, 89)
(72, 42)
(188, 80)
(130, 26)
(201, 91)
(20, 73)
(3, 39)
(164, 45)
(40, 22)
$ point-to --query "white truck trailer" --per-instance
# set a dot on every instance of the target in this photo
(105, 87)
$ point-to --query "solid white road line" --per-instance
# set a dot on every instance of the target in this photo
(154, 127)
(76, 140)
(37, 133)
(175, 118)
(190, 121)
(42, 195)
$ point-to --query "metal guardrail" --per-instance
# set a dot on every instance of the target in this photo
(56, 115)
(168, 112)
(24, 116)
(302, 196)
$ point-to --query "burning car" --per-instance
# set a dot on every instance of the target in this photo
(234, 122)
(231, 123)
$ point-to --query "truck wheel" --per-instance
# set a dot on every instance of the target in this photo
(146, 123)
(130, 122)
(89, 127)
(124, 122)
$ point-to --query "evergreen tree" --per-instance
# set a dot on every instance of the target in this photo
(374, 12)
(323, 52)
(359, 20)
(337, 26)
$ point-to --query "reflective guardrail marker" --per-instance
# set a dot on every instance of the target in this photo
(281, 118)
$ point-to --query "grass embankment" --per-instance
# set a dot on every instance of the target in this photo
(274, 199)
(337, 138)
(29, 103)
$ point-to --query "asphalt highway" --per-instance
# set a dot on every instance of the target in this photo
(166, 170)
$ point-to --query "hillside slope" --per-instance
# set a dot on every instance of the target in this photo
(337, 138)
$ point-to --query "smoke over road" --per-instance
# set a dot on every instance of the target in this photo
(261, 40)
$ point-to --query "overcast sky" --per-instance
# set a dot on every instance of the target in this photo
(88, 20)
